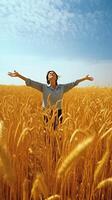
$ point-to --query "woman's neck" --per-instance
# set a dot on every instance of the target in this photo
(53, 84)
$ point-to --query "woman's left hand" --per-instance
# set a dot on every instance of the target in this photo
(90, 78)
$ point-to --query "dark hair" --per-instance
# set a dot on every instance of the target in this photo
(48, 82)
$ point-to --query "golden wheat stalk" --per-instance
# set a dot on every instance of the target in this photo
(103, 160)
(105, 183)
(1, 127)
(2, 133)
(39, 188)
(8, 171)
(100, 165)
(73, 155)
(101, 129)
(77, 131)
(53, 197)
(25, 133)
(25, 189)
(106, 133)
(1, 168)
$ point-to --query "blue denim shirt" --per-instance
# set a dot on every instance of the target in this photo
(51, 96)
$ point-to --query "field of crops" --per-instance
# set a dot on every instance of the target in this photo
(73, 162)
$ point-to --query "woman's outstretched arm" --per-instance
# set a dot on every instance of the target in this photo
(16, 74)
(69, 86)
(29, 82)
(87, 77)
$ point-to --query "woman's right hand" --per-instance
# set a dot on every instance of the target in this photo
(13, 74)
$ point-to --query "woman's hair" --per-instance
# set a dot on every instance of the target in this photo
(48, 82)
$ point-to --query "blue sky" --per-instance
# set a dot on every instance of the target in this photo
(72, 37)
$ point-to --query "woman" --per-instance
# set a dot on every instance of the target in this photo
(52, 91)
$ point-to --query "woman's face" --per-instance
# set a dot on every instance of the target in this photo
(52, 76)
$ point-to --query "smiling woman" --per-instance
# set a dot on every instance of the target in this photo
(52, 91)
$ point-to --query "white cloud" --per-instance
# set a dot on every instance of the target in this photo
(49, 20)
(34, 17)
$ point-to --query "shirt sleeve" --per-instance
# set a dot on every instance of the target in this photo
(34, 84)
(69, 86)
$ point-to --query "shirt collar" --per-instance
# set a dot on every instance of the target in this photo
(53, 88)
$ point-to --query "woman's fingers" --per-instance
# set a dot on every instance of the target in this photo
(12, 74)
(91, 78)
(9, 73)
(87, 76)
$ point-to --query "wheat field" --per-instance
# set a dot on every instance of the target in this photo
(73, 162)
